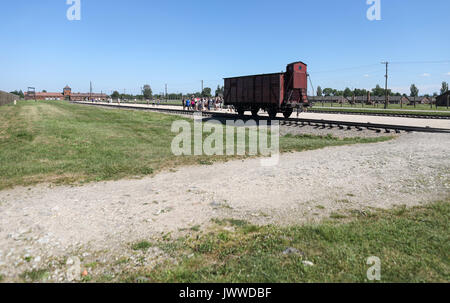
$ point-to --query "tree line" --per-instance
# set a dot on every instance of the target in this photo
(147, 93)
(377, 91)
(18, 93)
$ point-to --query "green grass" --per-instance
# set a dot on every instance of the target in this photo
(195, 228)
(337, 216)
(413, 246)
(143, 245)
(58, 142)
(292, 143)
(35, 275)
(92, 265)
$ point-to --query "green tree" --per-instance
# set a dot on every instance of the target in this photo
(378, 91)
(328, 91)
(147, 91)
(319, 91)
(115, 95)
(206, 92)
(196, 95)
(219, 90)
(444, 87)
(414, 90)
(18, 93)
(360, 92)
(348, 92)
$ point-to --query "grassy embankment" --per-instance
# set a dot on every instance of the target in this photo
(412, 245)
(60, 142)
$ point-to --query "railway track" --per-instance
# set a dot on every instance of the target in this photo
(403, 115)
(366, 113)
(291, 122)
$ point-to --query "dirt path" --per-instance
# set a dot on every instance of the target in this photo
(43, 222)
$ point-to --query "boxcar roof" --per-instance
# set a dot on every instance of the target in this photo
(265, 74)
(298, 62)
(254, 75)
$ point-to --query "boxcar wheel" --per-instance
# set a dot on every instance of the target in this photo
(255, 112)
(287, 113)
(272, 113)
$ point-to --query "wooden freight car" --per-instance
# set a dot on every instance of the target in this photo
(274, 93)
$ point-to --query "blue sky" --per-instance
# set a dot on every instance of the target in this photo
(125, 44)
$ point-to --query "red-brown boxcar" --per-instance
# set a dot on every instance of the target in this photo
(274, 93)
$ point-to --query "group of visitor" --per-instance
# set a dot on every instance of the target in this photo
(202, 104)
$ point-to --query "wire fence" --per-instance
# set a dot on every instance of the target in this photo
(416, 103)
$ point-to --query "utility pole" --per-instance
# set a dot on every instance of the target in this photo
(202, 88)
(90, 91)
(386, 87)
(166, 92)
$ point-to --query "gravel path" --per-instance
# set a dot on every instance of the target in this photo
(41, 226)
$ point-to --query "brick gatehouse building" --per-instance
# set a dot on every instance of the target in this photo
(66, 95)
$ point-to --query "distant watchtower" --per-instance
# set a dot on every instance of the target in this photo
(67, 92)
